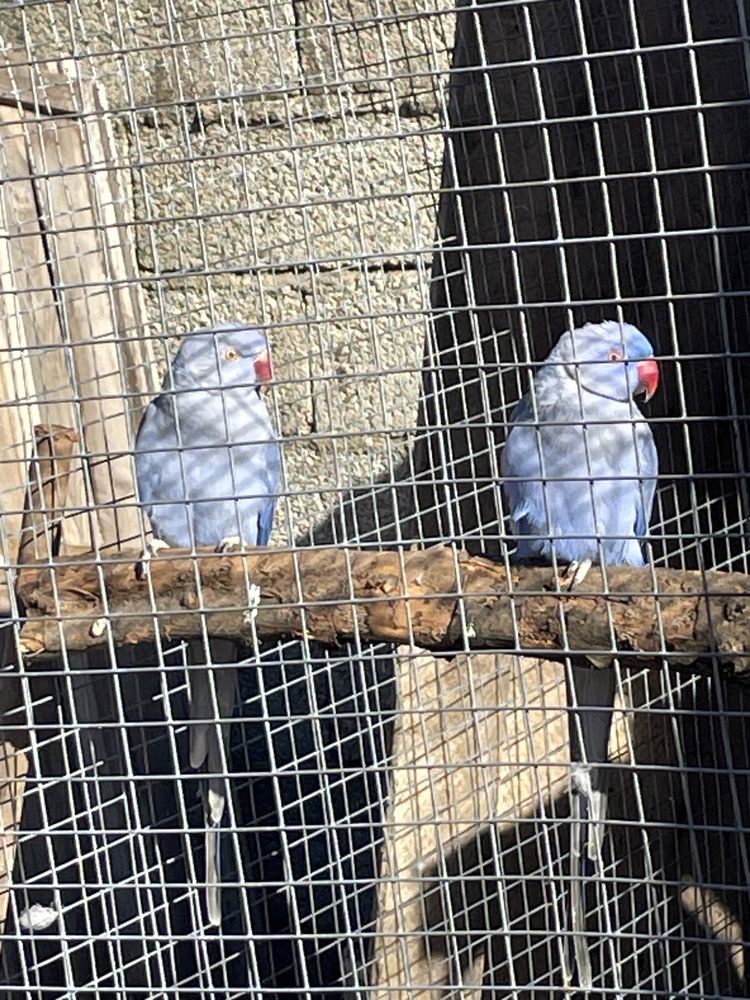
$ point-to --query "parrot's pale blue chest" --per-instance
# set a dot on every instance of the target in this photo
(217, 468)
(574, 479)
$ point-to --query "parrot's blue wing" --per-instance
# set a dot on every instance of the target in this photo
(265, 523)
(522, 480)
(648, 462)
(522, 411)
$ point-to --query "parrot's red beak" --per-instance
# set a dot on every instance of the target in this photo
(263, 367)
(648, 377)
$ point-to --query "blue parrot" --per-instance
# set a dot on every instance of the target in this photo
(579, 471)
(208, 466)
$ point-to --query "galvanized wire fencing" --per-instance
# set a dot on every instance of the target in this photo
(414, 203)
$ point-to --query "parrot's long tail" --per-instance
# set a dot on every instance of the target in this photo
(592, 695)
(212, 696)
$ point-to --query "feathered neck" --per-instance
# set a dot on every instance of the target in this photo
(556, 383)
(179, 378)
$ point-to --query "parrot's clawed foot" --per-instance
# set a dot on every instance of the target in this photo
(575, 574)
(232, 543)
(153, 545)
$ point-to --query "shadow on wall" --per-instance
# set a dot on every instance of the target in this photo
(679, 907)
(311, 749)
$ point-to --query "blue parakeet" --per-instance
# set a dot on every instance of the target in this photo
(579, 471)
(208, 467)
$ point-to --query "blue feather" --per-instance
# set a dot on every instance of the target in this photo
(265, 523)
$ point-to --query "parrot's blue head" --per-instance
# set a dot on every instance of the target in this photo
(229, 356)
(609, 359)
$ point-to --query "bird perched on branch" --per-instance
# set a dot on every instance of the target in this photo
(208, 466)
(579, 470)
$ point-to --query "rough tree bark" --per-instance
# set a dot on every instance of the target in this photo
(439, 598)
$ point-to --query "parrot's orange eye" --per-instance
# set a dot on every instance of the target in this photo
(231, 354)
(615, 355)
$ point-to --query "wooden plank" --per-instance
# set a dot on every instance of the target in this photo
(39, 87)
(61, 348)
(46, 494)
(14, 766)
(95, 252)
(460, 759)
(114, 200)
(22, 269)
(87, 261)
(45, 393)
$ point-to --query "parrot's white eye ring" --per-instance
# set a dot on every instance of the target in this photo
(231, 354)
(615, 355)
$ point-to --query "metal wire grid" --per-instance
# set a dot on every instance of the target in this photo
(315, 201)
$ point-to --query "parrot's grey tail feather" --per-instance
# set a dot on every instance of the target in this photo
(200, 708)
(213, 867)
(592, 698)
(578, 866)
(215, 804)
(209, 745)
(205, 710)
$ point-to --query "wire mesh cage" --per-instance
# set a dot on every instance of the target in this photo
(411, 203)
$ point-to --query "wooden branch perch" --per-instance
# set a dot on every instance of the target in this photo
(334, 595)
